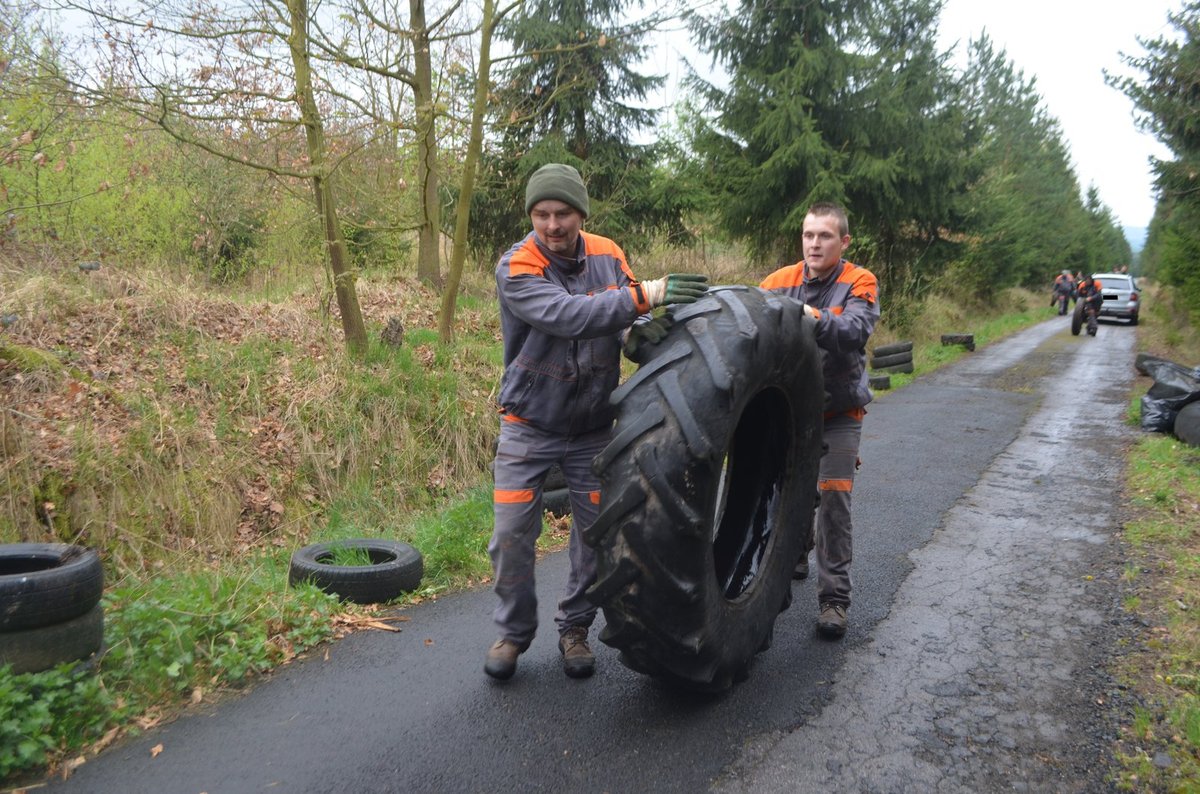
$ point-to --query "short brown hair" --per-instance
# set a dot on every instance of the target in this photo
(828, 208)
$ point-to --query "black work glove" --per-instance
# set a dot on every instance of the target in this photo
(643, 335)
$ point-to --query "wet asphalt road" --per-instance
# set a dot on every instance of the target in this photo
(988, 497)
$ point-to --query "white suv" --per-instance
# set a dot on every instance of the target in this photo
(1122, 298)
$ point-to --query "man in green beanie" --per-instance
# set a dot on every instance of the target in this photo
(567, 302)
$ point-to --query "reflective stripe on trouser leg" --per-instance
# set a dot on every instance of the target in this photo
(523, 457)
(833, 523)
(574, 609)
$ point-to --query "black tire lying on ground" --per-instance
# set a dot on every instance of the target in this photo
(958, 339)
(892, 349)
(1187, 424)
(1077, 319)
(879, 362)
(395, 568)
(882, 382)
(46, 583)
(708, 488)
(34, 650)
(907, 367)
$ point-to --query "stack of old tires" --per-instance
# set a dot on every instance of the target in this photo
(886, 359)
(50, 609)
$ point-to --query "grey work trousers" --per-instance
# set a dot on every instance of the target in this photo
(833, 528)
(523, 458)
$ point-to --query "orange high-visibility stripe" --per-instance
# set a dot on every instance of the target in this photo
(503, 497)
(854, 413)
(527, 261)
(595, 497)
(791, 276)
(862, 282)
(640, 301)
(596, 244)
(512, 418)
(836, 485)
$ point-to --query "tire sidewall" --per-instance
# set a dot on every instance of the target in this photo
(380, 581)
(67, 584)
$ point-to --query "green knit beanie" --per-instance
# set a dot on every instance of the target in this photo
(557, 181)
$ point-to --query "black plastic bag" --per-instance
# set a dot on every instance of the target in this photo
(1174, 387)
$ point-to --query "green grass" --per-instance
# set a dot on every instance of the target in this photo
(1163, 581)
(172, 637)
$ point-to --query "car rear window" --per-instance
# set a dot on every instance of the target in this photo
(1115, 282)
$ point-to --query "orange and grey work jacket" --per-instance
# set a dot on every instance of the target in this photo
(1089, 291)
(562, 320)
(847, 304)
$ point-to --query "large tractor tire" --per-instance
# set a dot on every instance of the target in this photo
(708, 488)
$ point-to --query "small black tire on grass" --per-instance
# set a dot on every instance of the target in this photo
(879, 362)
(1187, 424)
(46, 583)
(35, 650)
(959, 339)
(557, 501)
(881, 382)
(892, 349)
(905, 368)
(396, 568)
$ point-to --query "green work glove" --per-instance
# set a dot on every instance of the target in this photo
(643, 335)
(676, 288)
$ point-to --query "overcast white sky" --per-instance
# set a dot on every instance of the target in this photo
(1066, 45)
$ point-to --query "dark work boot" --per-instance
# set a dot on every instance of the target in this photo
(578, 660)
(502, 659)
(801, 570)
(831, 620)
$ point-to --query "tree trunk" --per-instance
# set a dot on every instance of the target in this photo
(428, 266)
(335, 245)
(466, 189)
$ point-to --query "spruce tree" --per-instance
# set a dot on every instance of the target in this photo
(571, 95)
(832, 101)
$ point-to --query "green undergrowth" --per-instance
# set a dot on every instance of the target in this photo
(1159, 747)
(170, 638)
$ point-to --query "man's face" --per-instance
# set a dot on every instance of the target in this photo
(557, 225)
(823, 244)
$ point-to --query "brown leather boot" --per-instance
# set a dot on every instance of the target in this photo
(831, 621)
(502, 659)
(578, 660)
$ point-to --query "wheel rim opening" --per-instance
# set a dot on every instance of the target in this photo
(23, 565)
(354, 556)
(748, 495)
